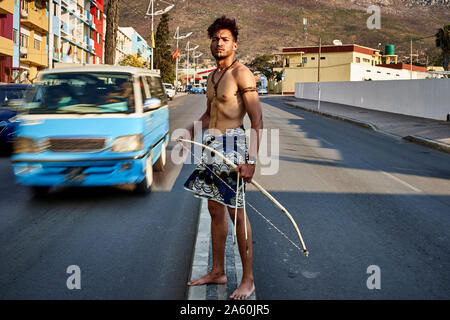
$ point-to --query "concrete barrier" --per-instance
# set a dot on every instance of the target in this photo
(426, 98)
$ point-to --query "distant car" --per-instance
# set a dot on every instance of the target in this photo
(11, 97)
(170, 90)
(262, 90)
(197, 89)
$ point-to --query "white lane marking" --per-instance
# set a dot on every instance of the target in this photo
(402, 182)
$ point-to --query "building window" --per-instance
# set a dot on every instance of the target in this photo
(98, 37)
(366, 60)
(358, 60)
(37, 44)
(98, 14)
(287, 62)
(304, 60)
(24, 41)
(322, 58)
(313, 58)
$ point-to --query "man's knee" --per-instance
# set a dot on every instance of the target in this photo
(215, 208)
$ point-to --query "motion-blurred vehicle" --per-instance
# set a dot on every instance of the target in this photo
(11, 100)
(170, 90)
(188, 88)
(197, 89)
(92, 126)
(262, 90)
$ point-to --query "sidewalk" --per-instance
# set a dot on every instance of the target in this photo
(202, 262)
(431, 133)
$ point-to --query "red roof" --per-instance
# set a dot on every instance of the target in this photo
(403, 66)
(206, 71)
(328, 49)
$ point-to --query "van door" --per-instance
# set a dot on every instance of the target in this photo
(156, 116)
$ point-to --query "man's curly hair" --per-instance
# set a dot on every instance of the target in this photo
(224, 23)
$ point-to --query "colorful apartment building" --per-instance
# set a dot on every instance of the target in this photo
(81, 27)
(6, 39)
(342, 63)
(139, 46)
(123, 45)
(33, 38)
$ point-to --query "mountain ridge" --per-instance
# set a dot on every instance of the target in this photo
(268, 26)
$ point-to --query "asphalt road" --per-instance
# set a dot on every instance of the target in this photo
(359, 197)
(126, 246)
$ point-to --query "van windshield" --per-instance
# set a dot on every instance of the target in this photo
(84, 92)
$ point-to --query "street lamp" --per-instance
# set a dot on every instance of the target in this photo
(195, 64)
(151, 12)
(188, 48)
(177, 36)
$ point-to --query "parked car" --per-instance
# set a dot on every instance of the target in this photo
(170, 90)
(11, 99)
(197, 89)
(262, 90)
(92, 126)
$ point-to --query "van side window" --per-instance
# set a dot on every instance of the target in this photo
(157, 90)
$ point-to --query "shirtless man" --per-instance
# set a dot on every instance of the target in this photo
(231, 94)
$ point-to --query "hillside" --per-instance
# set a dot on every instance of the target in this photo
(268, 25)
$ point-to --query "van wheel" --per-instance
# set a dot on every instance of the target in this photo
(160, 165)
(145, 186)
(40, 191)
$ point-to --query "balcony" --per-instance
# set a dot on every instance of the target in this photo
(34, 57)
(7, 7)
(36, 20)
(6, 46)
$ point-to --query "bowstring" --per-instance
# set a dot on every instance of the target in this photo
(249, 204)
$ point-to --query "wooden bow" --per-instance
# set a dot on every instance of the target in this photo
(259, 187)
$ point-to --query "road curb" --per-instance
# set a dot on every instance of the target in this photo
(411, 138)
(202, 262)
(360, 123)
(428, 143)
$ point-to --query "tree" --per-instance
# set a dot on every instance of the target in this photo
(264, 65)
(112, 24)
(132, 60)
(443, 42)
(163, 55)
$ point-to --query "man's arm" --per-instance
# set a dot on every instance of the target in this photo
(247, 88)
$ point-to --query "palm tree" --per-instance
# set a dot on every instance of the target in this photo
(443, 42)
(112, 24)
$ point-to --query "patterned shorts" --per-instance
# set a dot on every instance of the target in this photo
(213, 178)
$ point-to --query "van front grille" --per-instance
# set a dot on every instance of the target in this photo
(76, 145)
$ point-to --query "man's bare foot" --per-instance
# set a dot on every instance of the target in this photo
(244, 291)
(209, 278)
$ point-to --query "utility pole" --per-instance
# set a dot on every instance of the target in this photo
(178, 37)
(411, 62)
(318, 72)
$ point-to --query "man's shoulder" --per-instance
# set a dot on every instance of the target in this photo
(243, 75)
(242, 69)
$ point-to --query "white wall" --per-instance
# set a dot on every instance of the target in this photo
(427, 98)
(361, 72)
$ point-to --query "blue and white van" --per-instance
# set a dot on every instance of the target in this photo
(92, 126)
